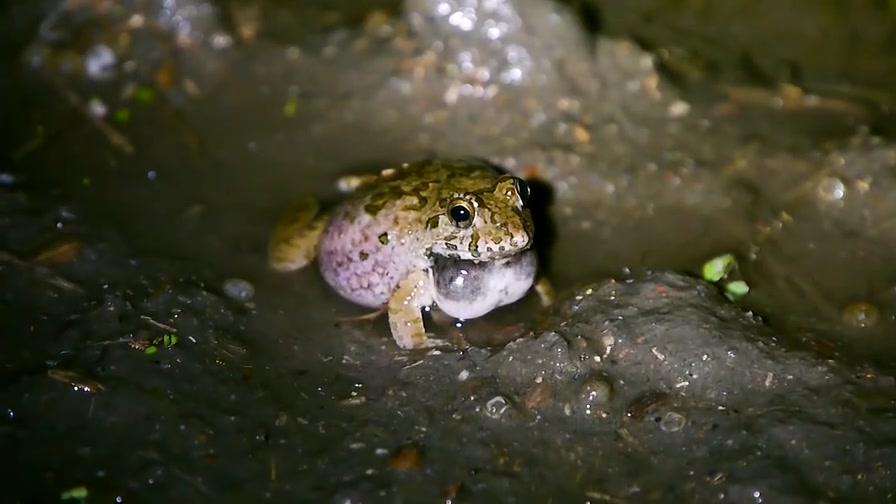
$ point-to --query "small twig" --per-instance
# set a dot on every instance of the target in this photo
(602, 496)
(29, 146)
(116, 138)
(42, 273)
(627, 436)
(359, 318)
(112, 342)
(160, 325)
(190, 137)
(75, 380)
(195, 481)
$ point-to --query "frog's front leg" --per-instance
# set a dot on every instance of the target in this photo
(405, 311)
(293, 242)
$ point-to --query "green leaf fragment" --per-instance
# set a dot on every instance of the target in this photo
(7, 311)
(291, 106)
(736, 290)
(718, 268)
(169, 340)
(79, 492)
(151, 350)
(122, 115)
(144, 94)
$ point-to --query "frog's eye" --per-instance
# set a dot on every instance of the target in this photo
(461, 213)
(522, 188)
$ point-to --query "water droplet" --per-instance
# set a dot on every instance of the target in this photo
(672, 422)
(497, 406)
(221, 40)
(595, 392)
(861, 314)
(831, 189)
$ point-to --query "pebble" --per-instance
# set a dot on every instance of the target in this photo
(405, 458)
(99, 62)
(539, 396)
(238, 289)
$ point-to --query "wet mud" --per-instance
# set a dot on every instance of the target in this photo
(151, 355)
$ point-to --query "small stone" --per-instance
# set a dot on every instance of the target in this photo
(238, 289)
(99, 62)
(679, 108)
(581, 134)
(281, 419)
(406, 458)
(539, 396)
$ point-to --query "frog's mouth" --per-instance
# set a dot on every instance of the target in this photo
(480, 253)
(490, 257)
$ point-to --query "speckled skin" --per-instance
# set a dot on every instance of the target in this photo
(377, 248)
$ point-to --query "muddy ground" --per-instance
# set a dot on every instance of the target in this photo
(151, 356)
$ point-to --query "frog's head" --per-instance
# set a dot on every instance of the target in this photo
(485, 224)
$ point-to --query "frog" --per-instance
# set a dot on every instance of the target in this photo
(400, 239)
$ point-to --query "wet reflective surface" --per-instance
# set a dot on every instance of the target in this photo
(155, 144)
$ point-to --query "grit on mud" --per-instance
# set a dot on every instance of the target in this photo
(151, 355)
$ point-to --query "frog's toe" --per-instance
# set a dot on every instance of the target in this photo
(430, 342)
(545, 291)
(406, 325)
(421, 342)
(293, 242)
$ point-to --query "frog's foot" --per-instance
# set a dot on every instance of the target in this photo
(293, 243)
(405, 312)
(366, 316)
(545, 291)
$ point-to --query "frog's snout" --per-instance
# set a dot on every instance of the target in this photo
(520, 238)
